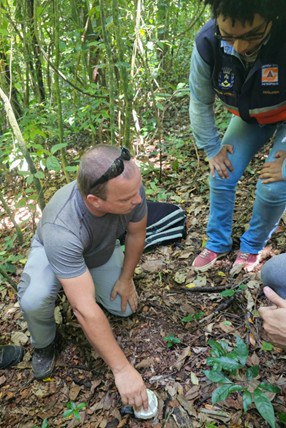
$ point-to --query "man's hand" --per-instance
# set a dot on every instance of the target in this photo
(274, 318)
(272, 171)
(131, 388)
(221, 163)
(127, 291)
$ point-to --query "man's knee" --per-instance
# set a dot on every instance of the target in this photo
(127, 313)
(33, 298)
(31, 303)
(273, 274)
(118, 312)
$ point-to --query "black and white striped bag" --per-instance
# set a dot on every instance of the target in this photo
(166, 223)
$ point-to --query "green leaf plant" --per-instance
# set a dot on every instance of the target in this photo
(171, 341)
(232, 292)
(73, 410)
(193, 317)
(231, 373)
(45, 424)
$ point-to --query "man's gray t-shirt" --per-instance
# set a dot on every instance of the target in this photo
(76, 240)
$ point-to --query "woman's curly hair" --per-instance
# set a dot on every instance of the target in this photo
(244, 10)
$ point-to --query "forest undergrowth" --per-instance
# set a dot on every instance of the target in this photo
(184, 319)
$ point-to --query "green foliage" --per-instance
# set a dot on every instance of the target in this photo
(171, 341)
(8, 259)
(193, 317)
(282, 417)
(266, 346)
(230, 371)
(233, 292)
(156, 190)
(73, 410)
(45, 424)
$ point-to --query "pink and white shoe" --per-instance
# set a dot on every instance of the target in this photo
(246, 261)
(206, 259)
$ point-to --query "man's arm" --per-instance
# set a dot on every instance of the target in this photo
(203, 118)
(80, 292)
(134, 245)
(202, 99)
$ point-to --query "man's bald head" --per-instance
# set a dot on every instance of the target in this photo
(94, 163)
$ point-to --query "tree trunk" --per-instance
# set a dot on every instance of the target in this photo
(37, 53)
(12, 218)
(124, 79)
(111, 74)
(57, 89)
(18, 134)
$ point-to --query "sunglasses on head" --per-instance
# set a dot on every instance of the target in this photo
(115, 169)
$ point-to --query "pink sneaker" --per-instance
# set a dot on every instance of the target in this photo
(246, 261)
(205, 260)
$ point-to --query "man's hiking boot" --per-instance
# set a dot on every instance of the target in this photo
(10, 355)
(206, 259)
(43, 361)
(246, 261)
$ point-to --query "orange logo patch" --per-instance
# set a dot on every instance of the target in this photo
(269, 76)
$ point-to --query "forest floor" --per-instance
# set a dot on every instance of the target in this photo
(165, 283)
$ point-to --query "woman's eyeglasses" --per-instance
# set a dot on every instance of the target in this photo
(247, 37)
(115, 169)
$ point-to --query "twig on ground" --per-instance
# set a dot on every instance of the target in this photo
(206, 289)
(221, 307)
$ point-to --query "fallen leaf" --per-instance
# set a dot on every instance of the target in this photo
(250, 301)
(2, 380)
(19, 338)
(180, 277)
(147, 362)
(220, 273)
(236, 269)
(255, 361)
(153, 265)
(94, 385)
(74, 391)
(252, 339)
(180, 361)
(200, 281)
(226, 326)
(185, 254)
(253, 284)
(187, 405)
(191, 285)
(194, 379)
(181, 417)
(58, 315)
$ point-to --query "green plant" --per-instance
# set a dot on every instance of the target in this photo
(193, 317)
(232, 292)
(266, 346)
(282, 417)
(239, 378)
(73, 410)
(171, 340)
(45, 424)
(9, 261)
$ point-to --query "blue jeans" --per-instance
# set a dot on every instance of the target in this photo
(270, 199)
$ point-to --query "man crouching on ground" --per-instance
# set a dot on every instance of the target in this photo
(76, 247)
